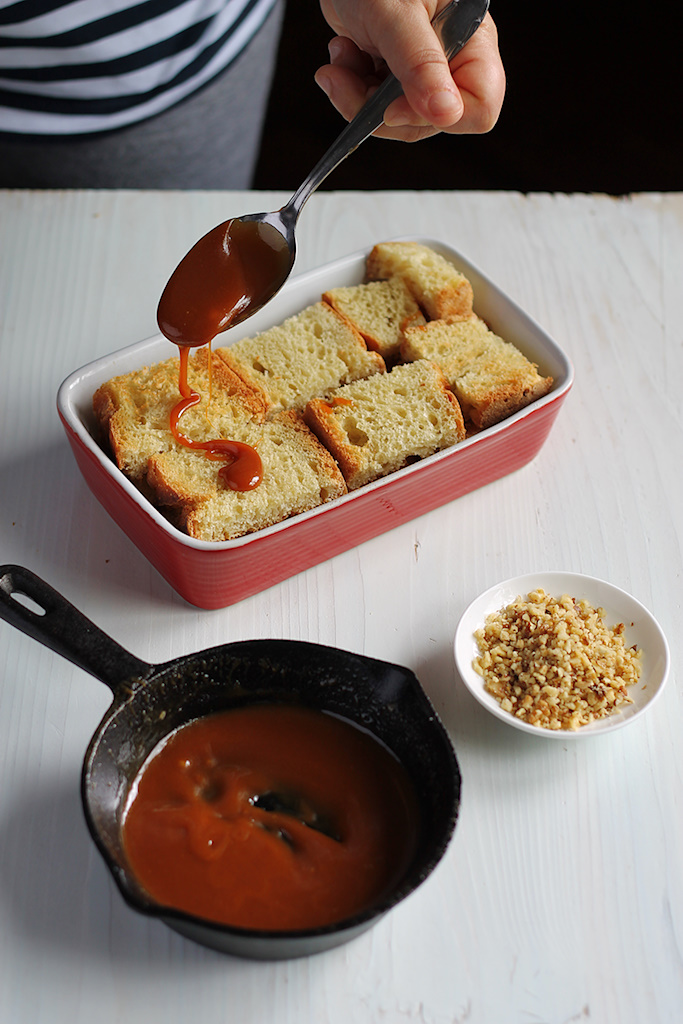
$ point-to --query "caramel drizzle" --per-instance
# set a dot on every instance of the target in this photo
(243, 470)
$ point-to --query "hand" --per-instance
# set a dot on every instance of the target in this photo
(461, 99)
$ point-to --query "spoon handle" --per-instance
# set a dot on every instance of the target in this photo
(455, 25)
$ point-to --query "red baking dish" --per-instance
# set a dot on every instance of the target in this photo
(215, 575)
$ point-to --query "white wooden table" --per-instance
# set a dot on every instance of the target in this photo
(561, 896)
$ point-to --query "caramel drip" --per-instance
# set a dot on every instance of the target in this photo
(243, 470)
(228, 273)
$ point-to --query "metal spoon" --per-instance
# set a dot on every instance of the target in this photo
(240, 265)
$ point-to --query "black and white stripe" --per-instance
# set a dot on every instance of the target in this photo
(94, 65)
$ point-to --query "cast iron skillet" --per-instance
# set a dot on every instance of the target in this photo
(152, 700)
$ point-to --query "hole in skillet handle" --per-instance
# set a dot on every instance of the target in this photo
(35, 608)
(27, 602)
(21, 586)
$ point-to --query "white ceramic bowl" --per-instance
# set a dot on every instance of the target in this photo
(641, 628)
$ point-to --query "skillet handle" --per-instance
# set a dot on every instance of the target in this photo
(65, 630)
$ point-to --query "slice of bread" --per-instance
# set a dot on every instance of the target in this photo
(298, 474)
(453, 345)
(308, 354)
(376, 426)
(380, 311)
(497, 383)
(490, 377)
(133, 410)
(440, 289)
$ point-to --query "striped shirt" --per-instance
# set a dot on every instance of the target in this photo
(71, 68)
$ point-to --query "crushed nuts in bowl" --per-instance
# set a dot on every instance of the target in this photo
(561, 654)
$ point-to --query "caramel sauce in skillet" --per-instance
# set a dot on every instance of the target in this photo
(229, 272)
(198, 838)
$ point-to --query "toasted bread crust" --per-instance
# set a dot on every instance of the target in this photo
(380, 311)
(439, 288)
(491, 378)
(307, 355)
(376, 426)
(298, 474)
(494, 387)
(133, 410)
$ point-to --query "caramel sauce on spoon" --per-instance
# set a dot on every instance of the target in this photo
(226, 276)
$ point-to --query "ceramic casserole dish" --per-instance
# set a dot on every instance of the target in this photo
(214, 575)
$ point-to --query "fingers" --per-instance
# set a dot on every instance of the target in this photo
(465, 98)
(351, 79)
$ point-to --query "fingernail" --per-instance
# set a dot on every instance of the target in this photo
(334, 48)
(393, 120)
(323, 82)
(445, 105)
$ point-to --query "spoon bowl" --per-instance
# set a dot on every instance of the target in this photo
(238, 266)
(227, 276)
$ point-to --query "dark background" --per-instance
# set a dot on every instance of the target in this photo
(593, 104)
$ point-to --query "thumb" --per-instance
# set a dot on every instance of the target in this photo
(414, 54)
